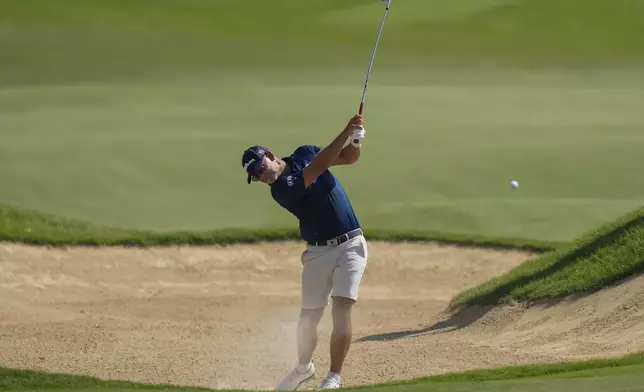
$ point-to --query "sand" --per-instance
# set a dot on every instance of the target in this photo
(225, 316)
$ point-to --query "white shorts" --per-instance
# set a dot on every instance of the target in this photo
(332, 271)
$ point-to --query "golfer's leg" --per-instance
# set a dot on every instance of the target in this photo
(346, 282)
(317, 277)
(342, 332)
(306, 341)
(307, 334)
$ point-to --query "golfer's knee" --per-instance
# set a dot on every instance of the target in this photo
(342, 312)
(343, 304)
(310, 318)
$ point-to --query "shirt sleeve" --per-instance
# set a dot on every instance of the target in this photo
(307, 152)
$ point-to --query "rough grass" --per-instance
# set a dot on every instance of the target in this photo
(34, 227)
(599, 258)
(18, 379)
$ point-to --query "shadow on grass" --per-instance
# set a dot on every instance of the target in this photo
(479, 306)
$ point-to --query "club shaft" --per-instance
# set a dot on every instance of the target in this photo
(373, 56)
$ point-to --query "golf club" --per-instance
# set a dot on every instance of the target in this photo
(373, 55)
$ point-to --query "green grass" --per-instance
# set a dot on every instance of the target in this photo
(34, 227)
(20, 379)
(129, 118)
(90, 40)
(132, 116)
(594, 375)
(599, 258)
(614, 380)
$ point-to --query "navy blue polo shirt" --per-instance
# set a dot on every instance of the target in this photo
(323, 209)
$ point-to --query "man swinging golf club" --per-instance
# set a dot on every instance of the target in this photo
(336, 252)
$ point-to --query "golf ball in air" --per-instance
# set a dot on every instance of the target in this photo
(514, 184)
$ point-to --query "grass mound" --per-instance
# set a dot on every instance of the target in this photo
(34, 227)
(599, 258)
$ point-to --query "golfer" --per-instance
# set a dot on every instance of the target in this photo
(336, 253)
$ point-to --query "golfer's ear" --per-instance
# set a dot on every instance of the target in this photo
(270, 155)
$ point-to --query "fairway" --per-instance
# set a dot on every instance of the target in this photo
(618, 379)
(138, 119)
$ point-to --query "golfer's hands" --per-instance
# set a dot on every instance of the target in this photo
(354, 124)
(356, 130)
(358, 135)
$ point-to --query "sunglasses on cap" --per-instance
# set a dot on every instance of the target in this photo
(253, 158)
(255, 176)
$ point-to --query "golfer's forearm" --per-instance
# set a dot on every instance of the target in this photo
(328, 154)
(351, 152)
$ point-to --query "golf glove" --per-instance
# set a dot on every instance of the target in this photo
(356, 138)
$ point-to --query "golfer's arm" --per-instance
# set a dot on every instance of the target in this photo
(348, 155)
(325, 158)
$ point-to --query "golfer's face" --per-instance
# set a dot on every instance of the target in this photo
(266, 173)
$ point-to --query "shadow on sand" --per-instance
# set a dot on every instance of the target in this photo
(470, 312)
(458, 320)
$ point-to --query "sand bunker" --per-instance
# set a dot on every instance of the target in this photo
(224, 317)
